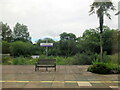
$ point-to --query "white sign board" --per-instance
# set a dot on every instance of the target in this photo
(46, 44)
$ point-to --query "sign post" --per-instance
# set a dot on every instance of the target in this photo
(46, 45)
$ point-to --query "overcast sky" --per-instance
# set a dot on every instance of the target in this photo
(49, 18)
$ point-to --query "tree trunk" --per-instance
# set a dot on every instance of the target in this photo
(101, 31)
(101, 48)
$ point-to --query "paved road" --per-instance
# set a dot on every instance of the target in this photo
(66, 76)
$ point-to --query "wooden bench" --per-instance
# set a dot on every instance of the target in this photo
(45, 63)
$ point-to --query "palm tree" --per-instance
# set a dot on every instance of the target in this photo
(101, 9)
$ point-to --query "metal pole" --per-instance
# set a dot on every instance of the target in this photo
(46, 49)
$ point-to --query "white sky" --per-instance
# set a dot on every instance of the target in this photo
(49, 18)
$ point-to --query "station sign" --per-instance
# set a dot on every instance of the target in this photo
(46, 44)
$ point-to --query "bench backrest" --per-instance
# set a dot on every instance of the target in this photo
(46, 61)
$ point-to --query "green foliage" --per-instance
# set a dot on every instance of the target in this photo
(42, 56)
(78, 59)
(99, 68)
(19, 48)
(5, 47)
(21, 33)
(7, 60)
(106, 58)
(36, 50)
(67, 44)
(6, 32)
(69, 50)
(23, 61)
(112, 66)
(114, 58)
(19, 61)
(81, 59)
(89, 41)
(104, 68)
(101, 9)
(59, 60)
(110, 40)
(63, 60)
(67, 36)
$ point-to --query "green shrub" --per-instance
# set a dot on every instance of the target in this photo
(19, 61)
(81, 59)
(61, 60)
(20, 48)
(23, 61)
(99, 68)
(113, 67)
(31, 61)
(5, 47)
(104, 68)
(114, 58)
(7, 60)
(42, 56)
(106, 57)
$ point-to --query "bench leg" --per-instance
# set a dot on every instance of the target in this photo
(55, 68)
(46, 68)
(35, 68)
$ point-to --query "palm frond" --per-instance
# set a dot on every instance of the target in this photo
(113, 8)
(91, 9)
(101, 8)
(92, 12)
(108, 15)
(117, 13)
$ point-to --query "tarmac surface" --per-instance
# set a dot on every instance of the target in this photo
(65, 76)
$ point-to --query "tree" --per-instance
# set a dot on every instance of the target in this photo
(5, 47)
(67, 44)
(101, 9)
(89, 42)
(21, 33)
(19, 48)
(6, 32)
(67, 36)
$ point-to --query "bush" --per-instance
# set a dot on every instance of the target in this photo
(63, 60)
(7, 60)
(19, 48)
(23, 61)
(19, 61)
(114, 58)
(31, 61)
(5, 47)
(106, 58)
(81, 59)
(99, 68)
(104, 68)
